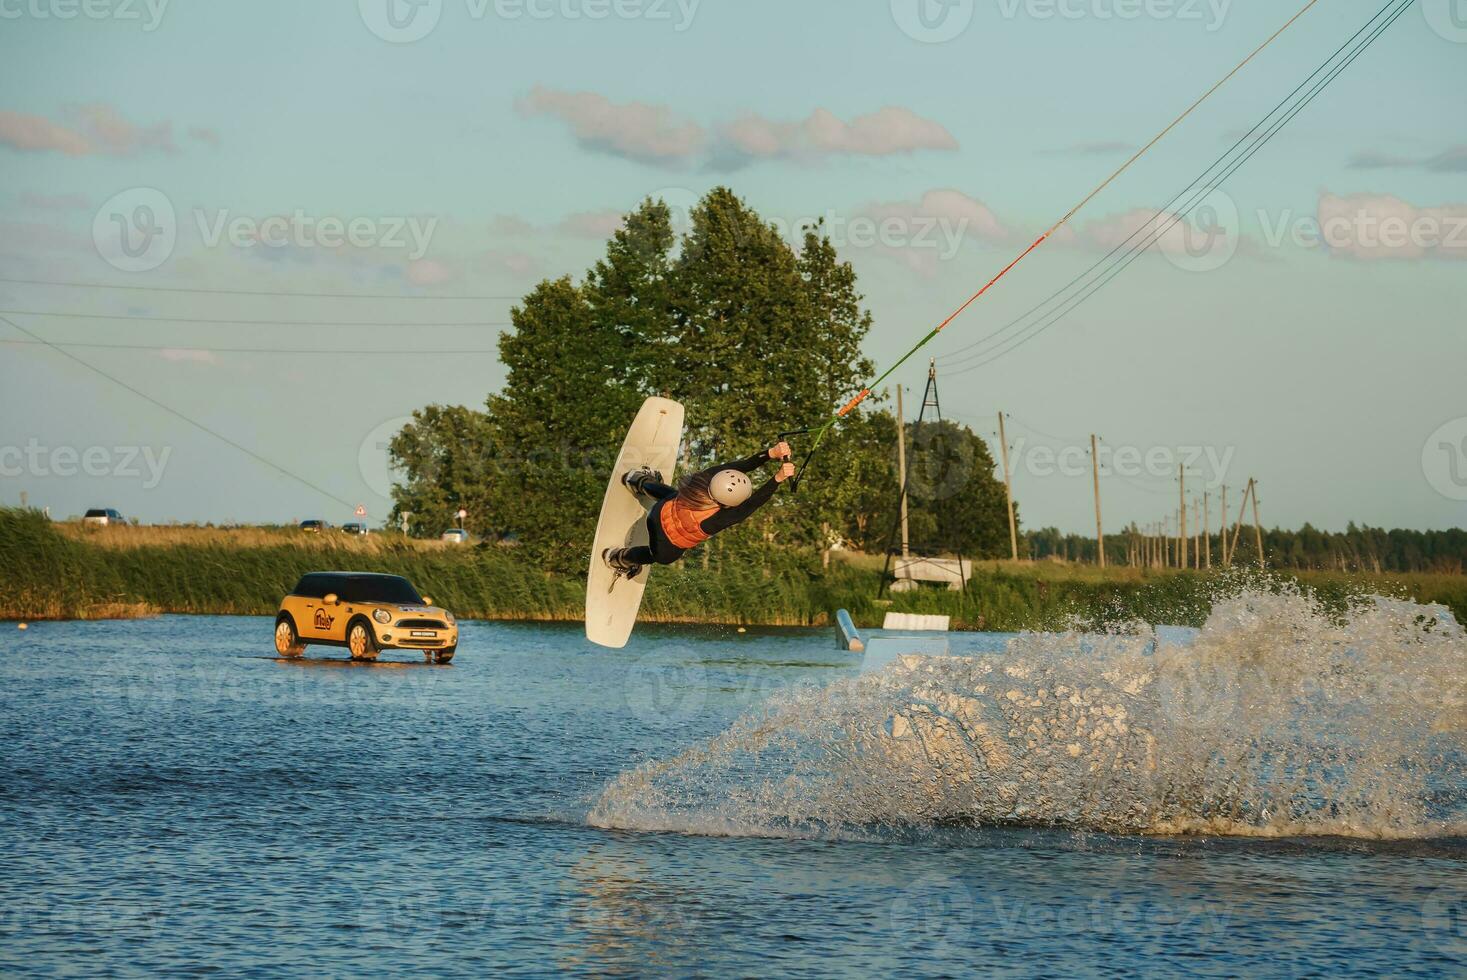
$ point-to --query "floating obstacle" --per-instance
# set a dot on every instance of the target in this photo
(846, 633)
(915, 623)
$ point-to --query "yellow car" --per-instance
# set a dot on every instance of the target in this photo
(366, 613)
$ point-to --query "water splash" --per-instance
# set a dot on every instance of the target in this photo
(1282, 718)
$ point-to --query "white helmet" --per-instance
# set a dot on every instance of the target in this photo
(730, 488)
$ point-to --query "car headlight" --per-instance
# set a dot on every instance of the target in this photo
(449, 616)
(382, 616)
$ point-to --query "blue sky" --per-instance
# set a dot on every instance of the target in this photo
(511, 134)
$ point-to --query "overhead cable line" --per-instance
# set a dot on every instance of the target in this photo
(245, 292)
(254, 323)
(1051, 317)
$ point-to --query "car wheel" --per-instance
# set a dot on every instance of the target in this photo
(443, 656)
(360, 641)
(287, 642)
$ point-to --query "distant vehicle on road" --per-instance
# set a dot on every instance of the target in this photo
(102, 517)
(315, 527)
(457, 535)
(354, 528)
(366, 613)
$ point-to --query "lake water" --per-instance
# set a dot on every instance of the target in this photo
(175, 800)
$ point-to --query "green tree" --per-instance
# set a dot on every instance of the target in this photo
(952, 484)
(751, 336)
(448, 460)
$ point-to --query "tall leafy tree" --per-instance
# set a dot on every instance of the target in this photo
(580, 360)
(951, 483)
(448, 459)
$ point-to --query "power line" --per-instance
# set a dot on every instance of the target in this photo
(953, 357)
(337, 351)
(1115, 269)
(179, 415)
(866, 390)
(244, 292)
(256, 323)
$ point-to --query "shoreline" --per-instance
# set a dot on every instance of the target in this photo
(67, 572)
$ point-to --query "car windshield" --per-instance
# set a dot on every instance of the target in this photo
(96, 513)
(379, 588)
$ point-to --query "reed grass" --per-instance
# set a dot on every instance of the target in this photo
(67, 571)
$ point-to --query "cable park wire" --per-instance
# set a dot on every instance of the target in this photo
(1392, 11)
(1062, 302)
(866, 391)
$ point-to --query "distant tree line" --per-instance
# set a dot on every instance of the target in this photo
(1356, 549)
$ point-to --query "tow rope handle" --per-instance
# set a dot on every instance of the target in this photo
(800, 472)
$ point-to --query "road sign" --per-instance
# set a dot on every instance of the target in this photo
(361, 510)
(462, 513)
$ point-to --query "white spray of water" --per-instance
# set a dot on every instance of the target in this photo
(1282, 718)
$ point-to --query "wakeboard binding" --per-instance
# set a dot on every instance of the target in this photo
(617, 561)
(637, 479)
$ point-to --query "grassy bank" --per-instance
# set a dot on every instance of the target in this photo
(61, 571)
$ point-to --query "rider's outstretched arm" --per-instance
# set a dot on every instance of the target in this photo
(729, 516)
(744, 465)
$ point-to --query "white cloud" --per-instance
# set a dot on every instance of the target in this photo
(655, 134)
(634, 130)
(1376, 227)
(593, 224)
(888, 131)
(99, 129)
(428, 272)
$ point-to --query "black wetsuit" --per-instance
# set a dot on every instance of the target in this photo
(661, 551)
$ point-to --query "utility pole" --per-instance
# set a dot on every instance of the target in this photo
(902, 467)
(1223, 537)
(1197, 535)
(1008, 489)
(1238, 528)
(1182, 517)
(1257, 527)
(1095, 472)
(1206, 528)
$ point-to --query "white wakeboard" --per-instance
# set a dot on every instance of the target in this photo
(612, 600)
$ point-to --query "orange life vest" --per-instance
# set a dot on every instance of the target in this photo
(683, 525)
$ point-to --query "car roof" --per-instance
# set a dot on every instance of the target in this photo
(359, 574)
